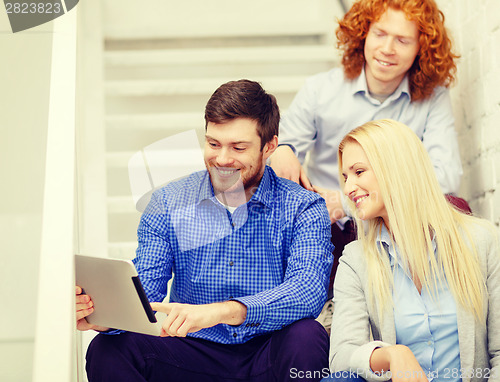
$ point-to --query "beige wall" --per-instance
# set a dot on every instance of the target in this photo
(25, 76)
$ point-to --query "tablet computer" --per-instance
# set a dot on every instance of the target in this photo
(119, 298)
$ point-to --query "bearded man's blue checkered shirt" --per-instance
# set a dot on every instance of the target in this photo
(273, 254)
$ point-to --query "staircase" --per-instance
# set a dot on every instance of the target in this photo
(161, 65)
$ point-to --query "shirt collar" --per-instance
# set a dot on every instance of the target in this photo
(384, 240)
(359, 85)
(263, 193)
(206, 189)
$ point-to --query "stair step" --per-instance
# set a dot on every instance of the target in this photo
(297, 30)
(234, 62)
(156, 121)
(121, 159)
(121, 205)
(122, 250)
(201, 86)
(215, 18)
(222, 56)
(132, 132)
(152, 167)
(122, 227)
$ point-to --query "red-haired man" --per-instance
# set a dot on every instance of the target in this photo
(397, 63)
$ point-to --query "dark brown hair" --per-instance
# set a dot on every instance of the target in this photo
(245, 99)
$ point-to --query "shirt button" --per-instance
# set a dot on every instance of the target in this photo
(235, 335)
(231, 263)
(426, 316)
(429, 343)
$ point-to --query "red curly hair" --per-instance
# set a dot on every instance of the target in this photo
(435, 61)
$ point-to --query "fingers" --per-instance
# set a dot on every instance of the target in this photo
(285, 164)
(181, 318)
(174, 329)
(82, 313)
(333, 200)
(288, 172)
(304, 180)
(319, 190)
(171, 324)
(161, 307)
(83, 301)
(296, 174)
(293, 176)
(84, 308)
(184, 329)
(81, 318)
(163, 333)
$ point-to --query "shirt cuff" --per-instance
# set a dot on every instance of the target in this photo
(360, 360)
(256, 312)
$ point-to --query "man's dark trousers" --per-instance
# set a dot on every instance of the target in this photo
(298, 352)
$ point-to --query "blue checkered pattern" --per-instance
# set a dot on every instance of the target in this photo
(273, 254)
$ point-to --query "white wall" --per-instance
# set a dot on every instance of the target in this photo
(25, 76)
(475, 25)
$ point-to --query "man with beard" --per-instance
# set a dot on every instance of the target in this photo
(250, 254)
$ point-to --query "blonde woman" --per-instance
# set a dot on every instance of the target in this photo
(417, 297)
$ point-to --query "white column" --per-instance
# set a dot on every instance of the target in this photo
(54, 337)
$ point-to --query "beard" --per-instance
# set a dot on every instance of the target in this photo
(235, 184)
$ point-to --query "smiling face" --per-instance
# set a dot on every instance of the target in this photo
(234, 158)
(390, 48)
(361, 185)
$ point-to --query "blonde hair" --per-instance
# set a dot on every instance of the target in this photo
(417, 212)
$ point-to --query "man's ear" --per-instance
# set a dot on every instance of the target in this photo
(270, 146)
